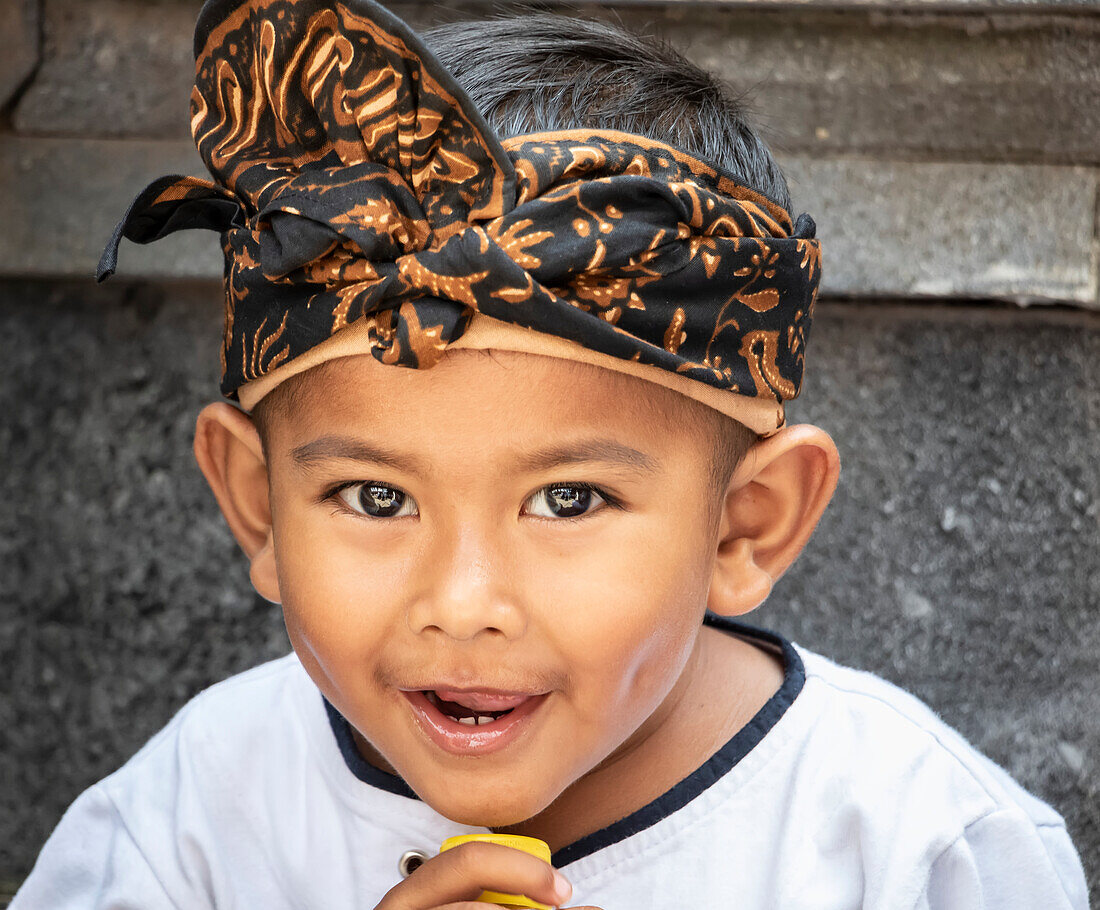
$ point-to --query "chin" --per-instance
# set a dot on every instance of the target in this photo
(485, 807)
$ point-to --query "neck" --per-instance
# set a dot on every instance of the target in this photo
(727, 680)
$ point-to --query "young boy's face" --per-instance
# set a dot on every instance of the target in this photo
(509, 531)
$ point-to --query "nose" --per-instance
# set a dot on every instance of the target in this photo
(465, 588)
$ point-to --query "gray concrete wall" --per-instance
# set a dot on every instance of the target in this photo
(958, 560)
(950, 152)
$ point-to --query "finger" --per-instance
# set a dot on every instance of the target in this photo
(462, 873)
(464, 905)
(477, 905)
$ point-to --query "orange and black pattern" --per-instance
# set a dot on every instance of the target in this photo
(353, 180)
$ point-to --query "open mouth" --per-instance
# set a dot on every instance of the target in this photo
(471, 717)
(472, 723)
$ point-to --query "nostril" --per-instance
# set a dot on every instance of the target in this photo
(466, 618)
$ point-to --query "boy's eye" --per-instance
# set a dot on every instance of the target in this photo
(378, 500)
(563, 500)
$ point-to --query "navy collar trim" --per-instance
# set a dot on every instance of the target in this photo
(711, 771)
(358, 765)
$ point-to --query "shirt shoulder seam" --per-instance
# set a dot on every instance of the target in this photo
(998, 803)
(981, 818)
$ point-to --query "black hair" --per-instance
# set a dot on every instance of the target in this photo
(537, 72)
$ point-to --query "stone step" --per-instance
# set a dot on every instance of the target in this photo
(962, 88)
(915, 229)
(873, 78)
(952, 6)
(21, 53)
(890, 228)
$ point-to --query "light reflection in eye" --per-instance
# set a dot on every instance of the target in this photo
(378, 500)
(556, 501)
(564, 500)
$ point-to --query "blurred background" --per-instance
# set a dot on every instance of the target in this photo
(950, 153)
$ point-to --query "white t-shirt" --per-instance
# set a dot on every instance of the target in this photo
(843, 792)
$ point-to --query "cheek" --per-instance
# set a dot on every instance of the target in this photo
(630, 616)
(338, 581)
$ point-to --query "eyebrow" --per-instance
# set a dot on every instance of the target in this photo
(325, 448)
(606, 450)
(587, 450)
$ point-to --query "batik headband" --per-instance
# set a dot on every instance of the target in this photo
(364, 205)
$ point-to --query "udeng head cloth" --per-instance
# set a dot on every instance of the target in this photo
(365, 206)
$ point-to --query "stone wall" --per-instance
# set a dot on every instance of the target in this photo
(950, 152)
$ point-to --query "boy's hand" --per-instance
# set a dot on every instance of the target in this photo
(455, 878)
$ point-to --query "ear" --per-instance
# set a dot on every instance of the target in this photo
(772, 504)
(231, 457)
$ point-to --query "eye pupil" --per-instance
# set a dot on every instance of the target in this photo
(380, 501)
(566, 502)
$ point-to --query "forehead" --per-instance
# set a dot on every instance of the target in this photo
(483, 395)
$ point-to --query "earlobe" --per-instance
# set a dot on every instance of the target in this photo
(772, 505)
(231, 458)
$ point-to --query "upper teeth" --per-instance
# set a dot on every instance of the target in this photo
(468, 721)
(475, 721)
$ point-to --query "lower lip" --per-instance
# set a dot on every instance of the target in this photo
(463, 739)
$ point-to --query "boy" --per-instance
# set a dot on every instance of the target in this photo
(511, 573)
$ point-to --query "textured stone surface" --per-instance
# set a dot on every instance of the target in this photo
(1002, 87)
(958, 560)
(20, 43)
(122, 592)
(66, 196)
(1016, 232)
(113, 67)
(969, 6)
(895, 228)
(960, 87)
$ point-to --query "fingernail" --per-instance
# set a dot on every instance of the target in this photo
(562, 888)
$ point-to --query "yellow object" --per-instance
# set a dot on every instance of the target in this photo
(531, 845)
